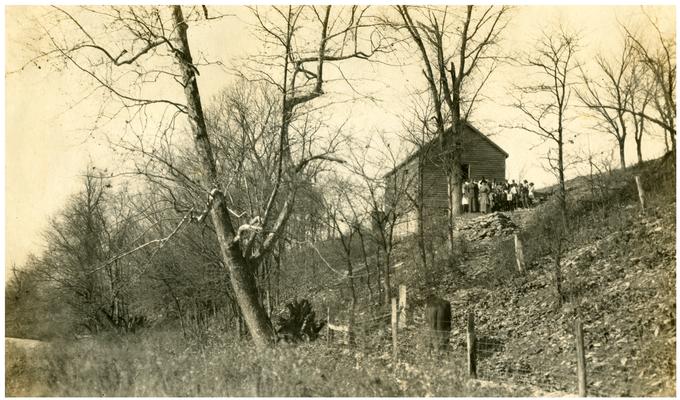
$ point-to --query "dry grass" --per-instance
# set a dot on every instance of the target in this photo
(158, 364)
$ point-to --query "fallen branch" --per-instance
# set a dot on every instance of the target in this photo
(161, 242)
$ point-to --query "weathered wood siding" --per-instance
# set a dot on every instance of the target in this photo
(435, 192)
(484, 158)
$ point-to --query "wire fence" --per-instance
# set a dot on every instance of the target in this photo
(579, 351)
(407, 337)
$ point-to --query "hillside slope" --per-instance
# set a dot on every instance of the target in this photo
(618, 270)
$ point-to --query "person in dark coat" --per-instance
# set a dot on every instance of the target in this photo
(524, 193)
(474, 198)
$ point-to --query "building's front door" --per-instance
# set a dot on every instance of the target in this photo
(465, 171)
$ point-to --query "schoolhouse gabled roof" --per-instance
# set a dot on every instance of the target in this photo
(433, 142)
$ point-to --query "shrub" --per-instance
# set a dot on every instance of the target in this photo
(300, 324)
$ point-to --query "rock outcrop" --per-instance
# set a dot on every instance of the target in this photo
(487, 225)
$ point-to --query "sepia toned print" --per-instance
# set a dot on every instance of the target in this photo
(336, 201)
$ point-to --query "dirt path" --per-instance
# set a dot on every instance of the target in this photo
(23, 344)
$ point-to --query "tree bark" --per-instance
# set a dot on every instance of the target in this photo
(456, 182)
(638, 148)
(386, 280)
(560, 166)
(622, 153)
(364, 255)
(240, 272)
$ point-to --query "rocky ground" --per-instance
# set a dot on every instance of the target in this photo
(484, 226)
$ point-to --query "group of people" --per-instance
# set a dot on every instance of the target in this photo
(484, 196)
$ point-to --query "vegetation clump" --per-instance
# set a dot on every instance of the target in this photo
(300, 324)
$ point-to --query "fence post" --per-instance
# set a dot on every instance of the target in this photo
(395, 351)
(641, 192)
(519, 254)
(328, 326)
(402, 306)
(471, 345)
(580, 358)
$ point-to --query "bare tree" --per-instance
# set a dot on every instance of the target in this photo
(416, 132)
(659, 56)
(95, 226)
(342, 216)
(153, 47)
(229, 239)
(384, 200)
(544, 104)
(643, 92)
(610, 96)
(457, 54)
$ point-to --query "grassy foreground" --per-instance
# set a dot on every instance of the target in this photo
(160, 364)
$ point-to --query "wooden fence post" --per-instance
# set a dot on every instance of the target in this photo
(471, 345)
(395, 351)
(328, 326)
(641, 192)
(402, 306)
(519, 254)
(580, 359)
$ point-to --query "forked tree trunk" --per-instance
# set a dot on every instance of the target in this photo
(240, 272)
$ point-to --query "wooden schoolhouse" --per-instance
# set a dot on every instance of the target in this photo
(481, 158)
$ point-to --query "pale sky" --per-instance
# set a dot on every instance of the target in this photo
(48, 122)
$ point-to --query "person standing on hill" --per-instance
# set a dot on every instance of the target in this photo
(483, 196)
(513, 195)
(531, 194)
(466, 197)
(474, 198)
(524, 193)
(499, 197)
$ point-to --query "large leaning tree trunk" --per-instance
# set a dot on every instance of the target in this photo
(240, 272)
(145, 36)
